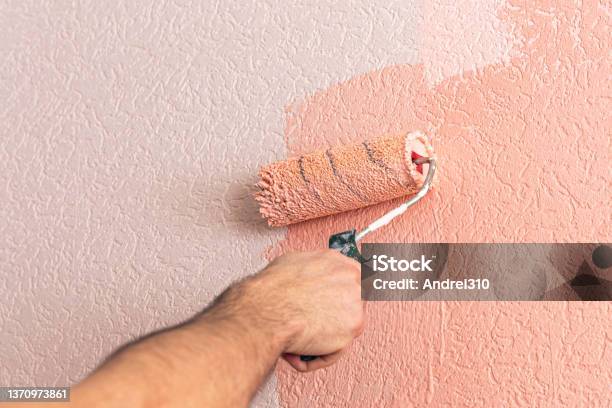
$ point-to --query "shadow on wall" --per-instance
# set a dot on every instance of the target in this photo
(196, 206)
(241, 210)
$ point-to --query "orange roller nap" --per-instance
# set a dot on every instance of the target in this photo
(341, 178)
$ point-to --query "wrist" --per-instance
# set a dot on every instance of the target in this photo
(267, 312)
(252, 311)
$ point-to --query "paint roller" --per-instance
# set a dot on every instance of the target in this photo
(345, 178)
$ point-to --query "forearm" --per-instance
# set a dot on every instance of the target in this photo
(301, 303)
(217, 359)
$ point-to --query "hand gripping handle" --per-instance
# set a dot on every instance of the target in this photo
(346, 244)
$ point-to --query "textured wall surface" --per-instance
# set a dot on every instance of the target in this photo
(524, 148)
(130, 137)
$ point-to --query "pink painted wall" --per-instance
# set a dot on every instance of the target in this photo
(525, 157)
(131, 133)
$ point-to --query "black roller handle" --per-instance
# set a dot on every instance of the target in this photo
(346, 244)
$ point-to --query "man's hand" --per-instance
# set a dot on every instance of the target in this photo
(301, 303)
(317, 295)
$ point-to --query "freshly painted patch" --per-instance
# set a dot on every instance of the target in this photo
(524, 149)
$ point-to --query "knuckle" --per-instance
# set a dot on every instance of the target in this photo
(357, 273)
(359, 327)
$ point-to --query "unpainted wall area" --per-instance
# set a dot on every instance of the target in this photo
(130, 137)
(131, 133)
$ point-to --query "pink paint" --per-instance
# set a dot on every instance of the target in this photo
(341, 178)
(524, 156)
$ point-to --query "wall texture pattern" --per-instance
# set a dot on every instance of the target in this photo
(130, 137)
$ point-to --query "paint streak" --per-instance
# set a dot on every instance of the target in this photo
(535, 129)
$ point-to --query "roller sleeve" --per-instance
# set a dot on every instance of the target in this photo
(341, 178)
